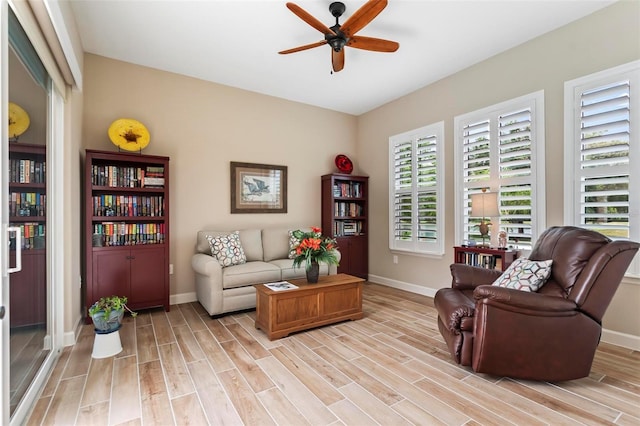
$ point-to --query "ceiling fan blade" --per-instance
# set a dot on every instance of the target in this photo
(305, 47)
(309, 19)
(337, 60)
(362, 16)
(375, 44)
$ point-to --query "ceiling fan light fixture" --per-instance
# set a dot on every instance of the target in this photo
(337, 43)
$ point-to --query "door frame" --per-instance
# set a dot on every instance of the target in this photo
(54, 242)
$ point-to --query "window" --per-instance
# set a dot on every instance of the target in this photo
(416, 198)
(602, 153)
(501, 149)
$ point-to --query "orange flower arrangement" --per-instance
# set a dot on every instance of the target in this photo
(314, 247)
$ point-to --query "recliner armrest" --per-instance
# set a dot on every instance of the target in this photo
(468, 277)
(491, 294)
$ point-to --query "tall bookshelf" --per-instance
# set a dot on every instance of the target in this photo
(127, 228)
(28, 211)
(345, 218)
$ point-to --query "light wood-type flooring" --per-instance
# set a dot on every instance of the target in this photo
(389, 368)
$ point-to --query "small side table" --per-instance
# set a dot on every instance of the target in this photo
(485, 257)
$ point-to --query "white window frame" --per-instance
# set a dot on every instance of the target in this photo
(573, 90)
(535, 101)
(416, 247)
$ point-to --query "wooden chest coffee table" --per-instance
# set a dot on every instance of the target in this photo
(334, 298)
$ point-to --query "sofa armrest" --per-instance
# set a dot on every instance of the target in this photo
(333, 269)
(208, 274)
(469, 277)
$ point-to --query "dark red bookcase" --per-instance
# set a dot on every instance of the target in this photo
(126, 229)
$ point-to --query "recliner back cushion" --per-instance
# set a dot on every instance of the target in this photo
(570, 248)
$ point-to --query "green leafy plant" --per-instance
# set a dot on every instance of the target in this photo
(314, 247)
(110, 303)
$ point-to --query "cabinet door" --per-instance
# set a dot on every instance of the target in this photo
(111, 273)
(148, 276)
(28, 295)
(354, 256)
(358, 257)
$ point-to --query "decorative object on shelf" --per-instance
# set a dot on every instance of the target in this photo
(258, 188)
(502, 239)
(129, 134)
(483, 205)
(344, 164)
(18, 121)
(107, 313)
(313, 249)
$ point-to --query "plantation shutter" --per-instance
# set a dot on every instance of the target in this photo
(496, 149)
(604, 137)
(426, 170)
(514, 155)
(402, 188)
(475, 168)
(416, 185)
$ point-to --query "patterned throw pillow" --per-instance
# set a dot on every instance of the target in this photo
(293, 243)
(227, 249)
(526, 275)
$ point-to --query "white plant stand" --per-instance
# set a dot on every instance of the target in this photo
(107, 345)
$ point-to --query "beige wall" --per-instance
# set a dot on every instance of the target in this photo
(202, 127)
(602, 40)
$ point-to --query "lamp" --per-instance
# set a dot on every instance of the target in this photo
(484, 204)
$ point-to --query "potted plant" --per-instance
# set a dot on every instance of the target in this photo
(312, 249)
(107, 313)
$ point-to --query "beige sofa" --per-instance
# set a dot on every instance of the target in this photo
(227, 289)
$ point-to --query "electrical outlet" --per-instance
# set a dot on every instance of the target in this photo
(395, 259)
(171, 269)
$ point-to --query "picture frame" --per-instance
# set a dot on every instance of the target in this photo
(258, 188)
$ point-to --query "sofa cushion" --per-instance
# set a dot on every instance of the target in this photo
(526, 275)
(275, 243)
(251, 240)
(250, 273)
(227, 249)
(290, 273)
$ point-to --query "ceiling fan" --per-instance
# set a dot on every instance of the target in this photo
(339, 36)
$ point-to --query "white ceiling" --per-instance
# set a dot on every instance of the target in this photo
(235, 42)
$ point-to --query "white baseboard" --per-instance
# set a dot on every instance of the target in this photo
(621, 339)
(609, 336)
(70, 338)
(401, 285)
(176, 299)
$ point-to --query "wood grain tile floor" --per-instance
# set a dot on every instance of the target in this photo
(390, 368)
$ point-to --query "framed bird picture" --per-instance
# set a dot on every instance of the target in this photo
(258, 188)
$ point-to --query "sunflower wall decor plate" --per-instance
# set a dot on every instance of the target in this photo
(129, 134)
(18, 121)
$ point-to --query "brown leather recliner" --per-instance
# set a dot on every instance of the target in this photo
(551, 335)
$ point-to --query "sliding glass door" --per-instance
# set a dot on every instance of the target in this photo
(28, 344)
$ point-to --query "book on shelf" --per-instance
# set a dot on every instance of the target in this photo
(27, 171)
(347, 190)
(281, 285)
(27, 204)
(128, 205)
(342, 208)
(33, 236)
(483, 260)
(107, 234)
